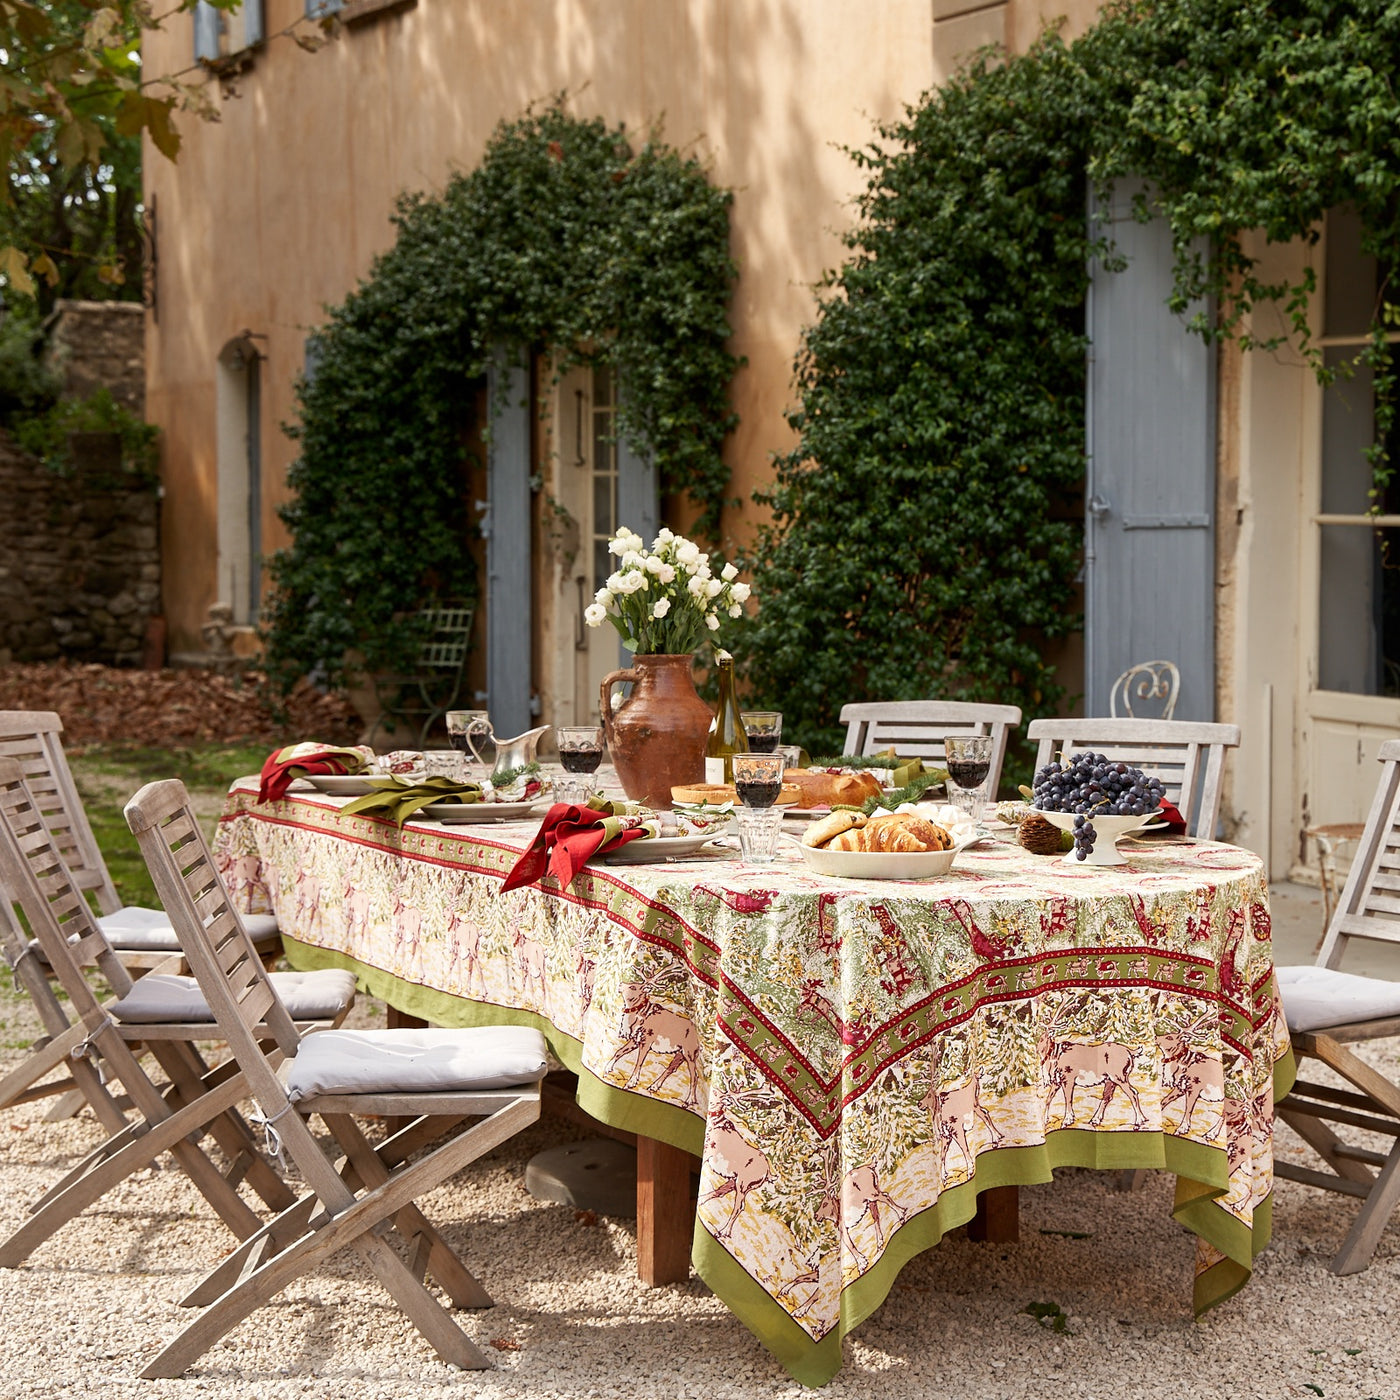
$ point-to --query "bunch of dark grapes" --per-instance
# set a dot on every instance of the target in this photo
(1089, 784)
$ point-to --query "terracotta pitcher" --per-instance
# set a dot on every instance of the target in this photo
(657, 735)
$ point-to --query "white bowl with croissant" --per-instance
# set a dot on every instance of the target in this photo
(888, 846)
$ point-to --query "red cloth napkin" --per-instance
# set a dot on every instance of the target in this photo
(1176, 823)
(568, 837)
(285, 765)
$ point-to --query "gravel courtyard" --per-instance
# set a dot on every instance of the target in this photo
(1110, 1271)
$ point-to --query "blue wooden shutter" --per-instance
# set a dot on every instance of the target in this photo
(207, 24)
(638, 505)
(251, 12)
(509, 612)
(1149, 526)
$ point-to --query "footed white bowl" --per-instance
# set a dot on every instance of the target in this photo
(1107, 831)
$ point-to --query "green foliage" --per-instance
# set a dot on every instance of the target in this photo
(27, 385)
(563, 240)
(923, 544)
(48, 434)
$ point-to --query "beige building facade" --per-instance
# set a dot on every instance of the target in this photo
(278, 209)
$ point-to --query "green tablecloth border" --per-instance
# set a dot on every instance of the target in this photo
(1202, 1176)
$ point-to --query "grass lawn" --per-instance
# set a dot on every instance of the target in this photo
(108, 774)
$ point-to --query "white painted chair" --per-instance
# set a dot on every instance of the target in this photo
(142, 937)
(435, 1078)
(916, 728)
(1329, 1010)
(1145, 691)
(101, 1042)
(1189, 758)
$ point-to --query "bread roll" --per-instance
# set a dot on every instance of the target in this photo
(829, 828)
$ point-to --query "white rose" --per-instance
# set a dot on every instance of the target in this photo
(712, 622)
(741, 592)
(713, 588)
(735, 610)
(603, 597)
(635, 543)
(633, 560)
(729, 574)
(628, 584)
(619, 545)
(696, 587)
(595, 614)
(617, 584)
(666, 573)
(688, 553)
(661, 608)
(664, 536)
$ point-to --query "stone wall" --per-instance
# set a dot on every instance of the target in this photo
(100, 345)
(80, 566)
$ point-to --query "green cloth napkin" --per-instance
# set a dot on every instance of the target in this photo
(400, 798)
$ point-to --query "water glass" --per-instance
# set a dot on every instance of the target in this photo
(759, 830)
(580, 753)
(968, 758)
(792, 755)
(764, 728)
(445, 763)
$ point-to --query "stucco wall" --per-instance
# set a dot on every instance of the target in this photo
(278, 209)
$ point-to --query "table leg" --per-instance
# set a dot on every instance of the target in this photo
(665, 1217)
(398, 1020)
(998, 1218)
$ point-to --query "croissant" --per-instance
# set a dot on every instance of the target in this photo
(896, 832)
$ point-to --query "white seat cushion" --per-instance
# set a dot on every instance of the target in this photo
(308, 996)
(427, 1061)
(1317, 997)
(136, 930)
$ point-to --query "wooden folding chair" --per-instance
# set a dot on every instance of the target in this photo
(142, 937)
(434, 1078)
(164, 1013)
(1189, 758)
(1328, 1010)
(917, 728)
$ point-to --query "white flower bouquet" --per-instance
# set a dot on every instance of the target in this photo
(667, 600)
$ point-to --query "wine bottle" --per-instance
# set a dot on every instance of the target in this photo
(727, 735)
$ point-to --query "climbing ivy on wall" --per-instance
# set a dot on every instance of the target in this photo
(923, 540)
(564, 240)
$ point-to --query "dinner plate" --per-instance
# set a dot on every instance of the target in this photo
(806, 814)
(347, 784)
(651, 850)
(880, 865)
(456, 812)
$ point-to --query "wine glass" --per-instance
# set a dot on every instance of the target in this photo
(764, 728)
(467, 728)
(758, 779)
(580, 751)
(968, 758)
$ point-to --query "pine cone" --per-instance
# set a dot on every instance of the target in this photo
(1039, 837)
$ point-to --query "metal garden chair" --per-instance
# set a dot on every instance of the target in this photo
(435, 683)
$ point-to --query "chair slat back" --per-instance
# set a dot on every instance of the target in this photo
(41, 884)
(917, 728)
(449, 633)
(227, 967)
(1369, 908)
(1188, 757)
(215, 943)
(33, 739)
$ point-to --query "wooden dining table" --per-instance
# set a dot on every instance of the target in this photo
(849, 1063)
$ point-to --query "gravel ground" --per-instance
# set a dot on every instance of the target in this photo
(571, 1320)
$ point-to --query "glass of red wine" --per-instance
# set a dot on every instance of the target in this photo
(580, 753)
(758, 779)
(468, 731)
(765, 730)
(968, 759)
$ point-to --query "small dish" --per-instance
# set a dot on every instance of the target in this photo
(459, 813)
(656, 849)
(348, 784)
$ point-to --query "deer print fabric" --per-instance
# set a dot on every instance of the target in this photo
(848, 1051)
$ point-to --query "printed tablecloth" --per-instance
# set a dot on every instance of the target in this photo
(842, 1055)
